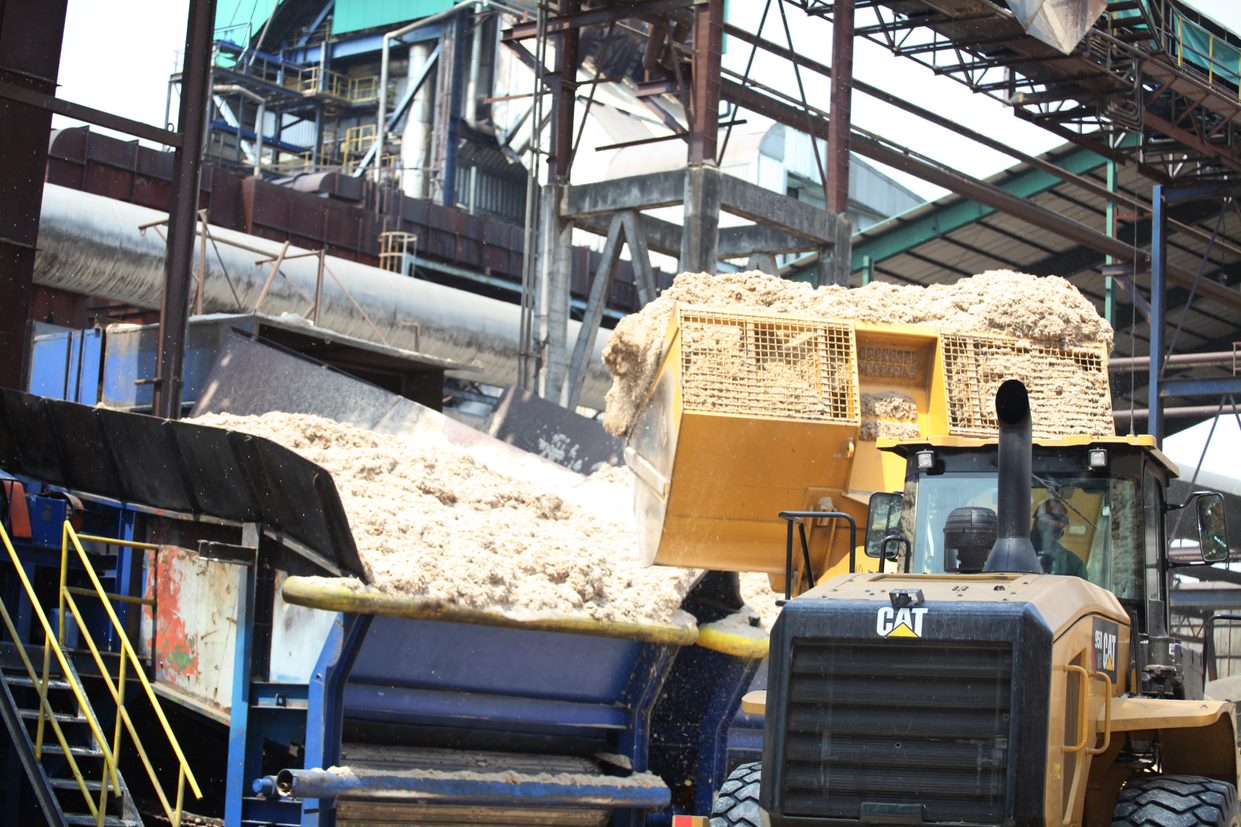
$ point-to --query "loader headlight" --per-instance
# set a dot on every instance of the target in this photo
(926, 460)
(1097, 459)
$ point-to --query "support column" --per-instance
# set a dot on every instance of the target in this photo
(700, 237)
(452, 77)
(555, 260)
(187, 168)
(30, 39)
(555, 276)
(1111, 290)
(1159, 276)
(708, 48)
(838, 127)
(836, 262)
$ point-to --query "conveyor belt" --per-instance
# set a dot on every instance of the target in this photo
(178, 467)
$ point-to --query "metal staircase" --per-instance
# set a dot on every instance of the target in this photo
(71, 760)
(67, 780)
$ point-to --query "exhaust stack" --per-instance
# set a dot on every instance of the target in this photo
(1013, 550)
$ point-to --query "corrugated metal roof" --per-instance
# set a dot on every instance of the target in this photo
(952, 237)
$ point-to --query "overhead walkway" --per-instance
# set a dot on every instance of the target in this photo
(1154, 68)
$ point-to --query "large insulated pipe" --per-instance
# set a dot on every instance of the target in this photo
(1013, 550)
(90, 245)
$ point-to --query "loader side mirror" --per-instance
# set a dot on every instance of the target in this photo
(883, 519)
(1212, 528)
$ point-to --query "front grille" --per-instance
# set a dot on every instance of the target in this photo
(892, 722)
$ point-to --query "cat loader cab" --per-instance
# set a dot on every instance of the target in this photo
(966, 685)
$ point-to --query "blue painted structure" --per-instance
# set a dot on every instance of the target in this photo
(430, 682)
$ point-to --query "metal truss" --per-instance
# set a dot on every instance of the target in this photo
(1127, 92)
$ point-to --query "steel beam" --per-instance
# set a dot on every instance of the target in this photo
(638, 192)
(187, 168)
(609, 14)
(600, 288)
(58, 106)
(705, 98)
(776, 210)
(30, 39)
(564, 98)
(1198, 387)
(1159, 270)
(904, 160)
(838, 130)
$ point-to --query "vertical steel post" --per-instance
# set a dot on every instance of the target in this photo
(838, 129)
(555, 251)
(708, 49)
(30, 38)
(187, 168)
(701, 221)
(564, 98)
(244, 747)
(839, 125)
(1110, 286)
(1159, 275)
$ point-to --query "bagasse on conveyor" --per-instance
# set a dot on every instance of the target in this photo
(1047, 312)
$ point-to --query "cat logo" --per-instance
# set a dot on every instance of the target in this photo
(906, 622)
(1106, 637)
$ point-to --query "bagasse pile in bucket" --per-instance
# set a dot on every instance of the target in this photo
(1046, 311)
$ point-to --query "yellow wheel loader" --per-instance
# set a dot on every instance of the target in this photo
(1000, 653)
(964, 685)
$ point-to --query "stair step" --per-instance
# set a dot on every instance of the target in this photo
(33, 714)
(108, 821)
(72, 784)
(77, 752)
(23, 681)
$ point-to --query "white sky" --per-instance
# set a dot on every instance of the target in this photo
(96, 70)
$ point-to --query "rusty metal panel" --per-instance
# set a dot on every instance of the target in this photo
(194, 629)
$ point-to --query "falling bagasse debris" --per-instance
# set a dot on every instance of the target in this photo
(436, 521)
(1043, 309)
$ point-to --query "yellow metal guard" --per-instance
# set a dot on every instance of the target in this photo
(54, 647)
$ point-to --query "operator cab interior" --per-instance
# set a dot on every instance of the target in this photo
(1094, 510)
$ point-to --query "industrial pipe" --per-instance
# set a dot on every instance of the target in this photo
(1013, 550)
(90, 245)
(1218, 357)
(1182, 412)
(362, 783)
(380, 127)
(234, 89)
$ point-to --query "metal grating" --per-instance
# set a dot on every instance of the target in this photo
(1068, 387)
(932, 731)
(769, 366)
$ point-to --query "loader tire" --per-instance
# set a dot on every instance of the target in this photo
(736, 805)
(1177, 801)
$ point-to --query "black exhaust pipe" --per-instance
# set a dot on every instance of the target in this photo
(1013, 550)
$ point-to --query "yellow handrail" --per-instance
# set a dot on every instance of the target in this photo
(54, 647)
(70, 536)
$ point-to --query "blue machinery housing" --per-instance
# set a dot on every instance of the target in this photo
(416, 705)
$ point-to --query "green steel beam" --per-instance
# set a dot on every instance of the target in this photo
(963, 213)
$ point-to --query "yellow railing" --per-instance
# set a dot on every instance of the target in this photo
(54, 647)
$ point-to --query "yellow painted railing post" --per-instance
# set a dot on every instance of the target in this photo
(176, 821)
(129, 658)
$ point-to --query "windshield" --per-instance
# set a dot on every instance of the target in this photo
(1081, 526)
